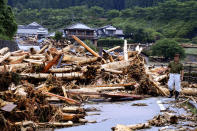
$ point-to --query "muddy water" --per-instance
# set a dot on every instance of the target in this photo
(118, 113)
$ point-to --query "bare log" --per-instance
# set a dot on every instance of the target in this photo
(71, 117)
(5, 57)
(73, 109)
(117, 64)
(73, 75)
(66, 49)
(18, 60)
(70, 76)
(85, 46)
(131, 127)
(117, 85)
(61, 124)
(39, 62)
(73, 58)
(113, 71)
(42, 50)
(37, 57)
(121, 128)
(4, 50)
(184, 91)
(14, 66)
(189, 91)
(139, 126)
(97, 89)
(113, 49)
(89, 60)
(63, 70)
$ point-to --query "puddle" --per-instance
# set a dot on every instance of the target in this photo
(115, 113)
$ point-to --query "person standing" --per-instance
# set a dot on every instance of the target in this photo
(176, 71)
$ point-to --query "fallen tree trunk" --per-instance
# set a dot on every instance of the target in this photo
(97, 89)
(71, 117)
(112, 71)
(17, 60)
(66, 49)
(4, 50)
(39, 62)
(14, 66)
(5, 57)
(63, 70)
(117, 85)
(131, 127)
(116, 65)
(113, 49)
(73, 109)
(85, 46)
(42, 50)
(73, 58)
(37, 57)
(61, 124)
(189, 91)
(89, 60)
(184, 91)
(69, 76)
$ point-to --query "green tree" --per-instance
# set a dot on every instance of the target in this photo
(58, 35)
(97, 11)
(167, 48)
(8, 25)
(113, 13)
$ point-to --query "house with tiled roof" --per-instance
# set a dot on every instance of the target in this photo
(33, 29)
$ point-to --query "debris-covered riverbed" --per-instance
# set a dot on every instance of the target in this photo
(47, 88)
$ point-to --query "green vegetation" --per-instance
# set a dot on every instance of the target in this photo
(167, 48)
(147, 20)
(110, 42)
(91, 45)
(58, 35)
(8, 25)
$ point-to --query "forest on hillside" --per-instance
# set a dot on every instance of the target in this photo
(60, 4)
(149, 19)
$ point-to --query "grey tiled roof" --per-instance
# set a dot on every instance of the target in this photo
(79, 26)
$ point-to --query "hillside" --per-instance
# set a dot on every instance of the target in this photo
(150, 19)
(60, 4)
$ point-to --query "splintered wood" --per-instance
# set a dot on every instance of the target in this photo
(66, 73)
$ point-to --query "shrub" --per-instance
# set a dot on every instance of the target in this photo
(110, 42)
(58, 36)
(92, 46)
(167, 48)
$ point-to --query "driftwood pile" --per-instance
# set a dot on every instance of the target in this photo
(30, 83)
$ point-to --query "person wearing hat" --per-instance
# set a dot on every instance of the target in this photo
(175, 69)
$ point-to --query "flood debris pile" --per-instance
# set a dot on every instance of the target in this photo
(45, 88)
